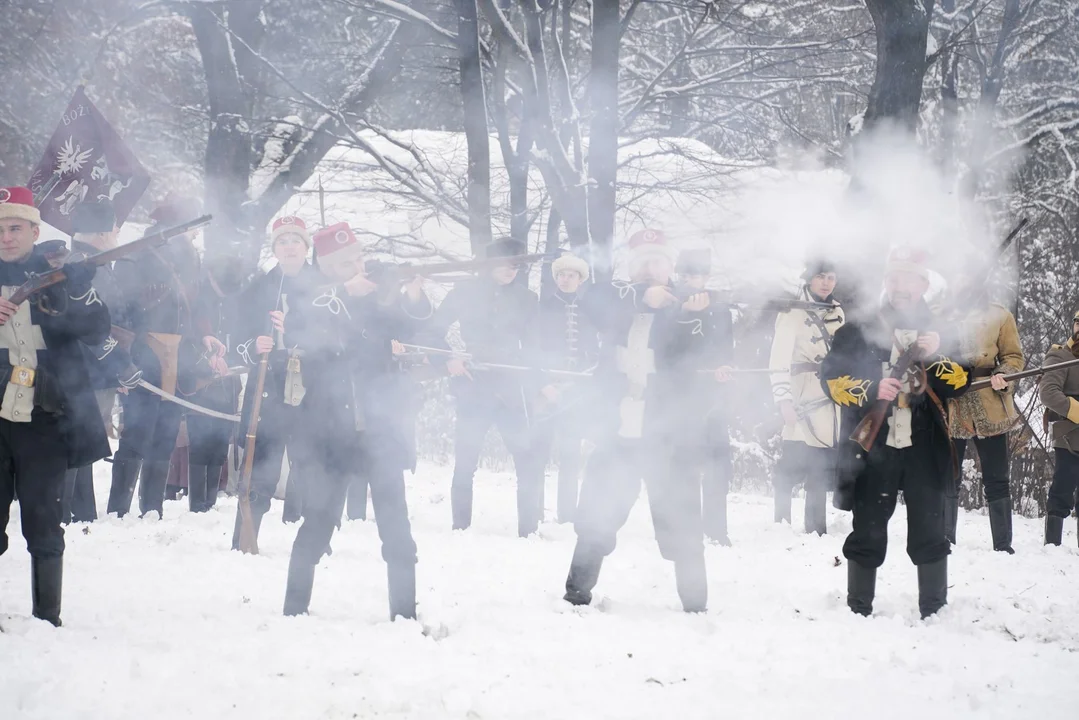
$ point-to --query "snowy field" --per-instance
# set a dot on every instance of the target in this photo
(161, 621)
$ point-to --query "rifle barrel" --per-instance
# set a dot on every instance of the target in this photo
(982, 384)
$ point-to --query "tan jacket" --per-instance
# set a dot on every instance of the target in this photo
(988, 341)
(1054, 389)
(798, 342)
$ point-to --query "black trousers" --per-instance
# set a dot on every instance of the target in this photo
(913, 470)
(710, 469)
(561, 435)
(993, 453)
(1061, 499)
(610, 490)
(150, 426)
(477, 411)
(326, 465)
(33, 460)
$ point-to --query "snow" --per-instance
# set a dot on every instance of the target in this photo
(161, 620)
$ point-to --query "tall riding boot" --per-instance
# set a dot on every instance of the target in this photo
(782, 503)
(932, 587)
(155, 475)
(256, 520)
(1054, 530)
(83, 503)
(691, 577)
(861, 588)
(293, 498)
(125, 473)
(46, 583)
(1000, 523)
(213, 485)
(461, 501)
(951, 517)
(583, 575)
(67, 500)
(816, 512)
(402, 586)
(196, 488)
(301, 580)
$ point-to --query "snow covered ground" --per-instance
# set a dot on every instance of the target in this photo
(161, 621)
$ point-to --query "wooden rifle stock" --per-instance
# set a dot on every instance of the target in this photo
(868, 429)
(37, 282)
(983, 384)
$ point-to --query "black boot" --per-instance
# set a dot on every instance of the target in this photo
(83, 503)
(196, 488)
(46, 583)
(67, 500)
(461, 502)
(816, 512)
(691, 577)
(861, 588)
(951, 517)
(782, 504)
(402, 586)
(932, 587)
(1000, 523)
(125, 473)
(1054, 530)
(583, 575)
(301, 580)
(213, 484)
(152, 482)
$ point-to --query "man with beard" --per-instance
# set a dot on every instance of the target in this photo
(989, 344)
(352, 413)
(703, 444)
(94, 230)
(168, 338)
(270, 296)
(49, 419)
(640, 370)
(567, 341)
(810, 420)
(913, 451)
(497, 318)
(1059, 392)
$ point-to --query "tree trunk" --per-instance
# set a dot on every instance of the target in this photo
(475, 124)
(603, 137)
(228, 147)
(902, 28)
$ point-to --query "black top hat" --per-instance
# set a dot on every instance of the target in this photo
(93, 216)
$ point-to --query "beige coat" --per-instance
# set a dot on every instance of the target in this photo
(988, 341)
(797, 342)
(1058, 390)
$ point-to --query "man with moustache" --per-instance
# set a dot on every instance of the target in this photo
(49, 419)
(1059, 392)
(641, 367)
(810, 420)
(913, 451)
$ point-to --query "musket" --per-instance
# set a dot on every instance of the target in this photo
(248, 540)
(480, 365)
(982, 384)
(36, 282)
(406, 271)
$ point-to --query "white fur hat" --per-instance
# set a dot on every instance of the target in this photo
(569, 261)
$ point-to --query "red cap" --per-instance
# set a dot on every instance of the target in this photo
(18, 202)
(333, 239)
(290, 224)
(649, 236)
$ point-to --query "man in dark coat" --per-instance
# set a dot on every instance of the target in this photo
(352, 414)
(703, 445)
(567, 341)
(1059, 392)
(168, 339)
(269, 295)
(49, 419)
(913, 451)
(640, 370)
(94, 230)
(497, 317)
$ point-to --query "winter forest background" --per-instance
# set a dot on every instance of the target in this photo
(559, 121)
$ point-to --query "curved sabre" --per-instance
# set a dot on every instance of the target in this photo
(189, 405)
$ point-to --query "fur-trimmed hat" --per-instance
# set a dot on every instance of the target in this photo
(290, 224)
(909, 260)
(334, 239)
(505, 247)
(18, 202)
(694, 261)
(93, 216)
(645, 244)
(569, 261)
